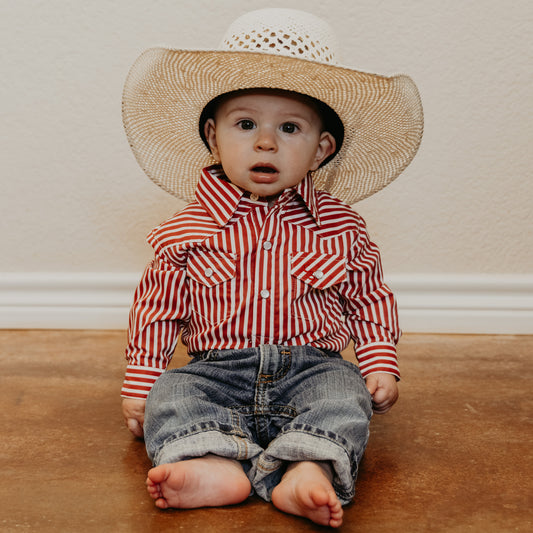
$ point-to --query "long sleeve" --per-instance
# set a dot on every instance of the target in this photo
(160, 307)
(370, 309)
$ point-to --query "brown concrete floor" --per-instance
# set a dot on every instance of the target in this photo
(454, 455)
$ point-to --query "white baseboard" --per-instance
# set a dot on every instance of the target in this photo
(483, 304)
(456, 303)
(66, 300)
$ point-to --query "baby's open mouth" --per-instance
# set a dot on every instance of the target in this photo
(264, 169)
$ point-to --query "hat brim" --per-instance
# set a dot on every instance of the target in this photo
(167, 90)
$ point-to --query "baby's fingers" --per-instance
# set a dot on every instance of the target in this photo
(383, 400)
(381, 408)
(135, 427)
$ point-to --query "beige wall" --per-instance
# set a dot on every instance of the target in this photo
(74, 200)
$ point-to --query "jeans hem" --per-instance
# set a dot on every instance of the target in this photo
(299, 445)
(204, 442)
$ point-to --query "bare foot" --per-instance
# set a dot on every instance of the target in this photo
(306, 490)
(209, 481)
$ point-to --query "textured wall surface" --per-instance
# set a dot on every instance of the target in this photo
(74, 200)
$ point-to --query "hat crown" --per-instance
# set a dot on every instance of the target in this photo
(286, 32)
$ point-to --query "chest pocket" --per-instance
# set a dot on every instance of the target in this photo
(312, 274)
(211, 282)
(320, 271)
(211, 268)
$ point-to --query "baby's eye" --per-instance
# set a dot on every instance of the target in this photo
(246, 124)
(289, 127)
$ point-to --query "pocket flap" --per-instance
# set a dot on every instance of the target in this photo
(318, 270)
(211, 268)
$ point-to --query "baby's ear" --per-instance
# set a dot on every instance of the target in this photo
(326, 147)
(211, 136)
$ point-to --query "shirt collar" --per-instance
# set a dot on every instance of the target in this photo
(217, 195)
(306, 190)
(221, 198)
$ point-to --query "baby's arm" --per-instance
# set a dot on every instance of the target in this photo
(384, 391)
(133, 411)
(160, 304)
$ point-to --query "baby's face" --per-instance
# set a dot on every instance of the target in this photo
(267, 142)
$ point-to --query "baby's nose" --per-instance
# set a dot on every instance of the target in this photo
(266, 140)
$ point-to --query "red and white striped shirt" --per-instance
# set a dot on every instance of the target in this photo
(231, 272)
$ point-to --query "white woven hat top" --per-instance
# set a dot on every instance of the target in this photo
(286, 32)
(167, 90)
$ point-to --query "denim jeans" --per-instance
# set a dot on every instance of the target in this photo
(265, 407)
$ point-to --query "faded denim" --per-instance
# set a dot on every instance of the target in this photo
(264, 407)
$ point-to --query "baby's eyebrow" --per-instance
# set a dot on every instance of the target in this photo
(242, 109)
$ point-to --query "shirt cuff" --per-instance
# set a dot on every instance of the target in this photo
(377, 357)
(139, 381)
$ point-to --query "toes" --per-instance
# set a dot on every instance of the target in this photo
(335, 523)
(320, 497)
(157, 475)
(161, 503)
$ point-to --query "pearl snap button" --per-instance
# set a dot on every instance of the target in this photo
(208, 272)
(265, 293)
(267, 245)
(319, 274)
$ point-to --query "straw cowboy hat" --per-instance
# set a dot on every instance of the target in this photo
(167, 90)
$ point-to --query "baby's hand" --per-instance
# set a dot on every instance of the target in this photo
(133, 411)
(384, 391)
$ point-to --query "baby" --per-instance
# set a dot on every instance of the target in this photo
(267, 275)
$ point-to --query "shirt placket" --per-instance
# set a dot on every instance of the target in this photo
(269, 278)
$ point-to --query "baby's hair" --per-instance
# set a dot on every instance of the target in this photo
(330, 120)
